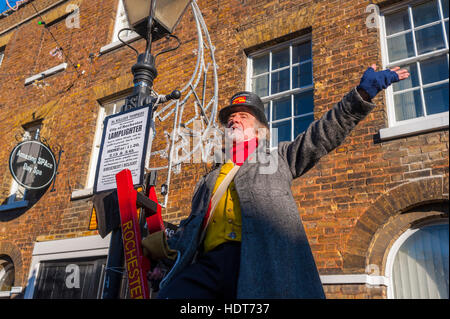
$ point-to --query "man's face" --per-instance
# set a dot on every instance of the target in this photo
(241, 126)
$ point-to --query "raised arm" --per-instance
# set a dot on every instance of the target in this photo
(328, 132)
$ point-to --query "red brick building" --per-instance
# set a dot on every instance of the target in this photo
(375, 209)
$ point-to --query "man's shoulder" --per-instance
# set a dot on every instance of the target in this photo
(282, 147)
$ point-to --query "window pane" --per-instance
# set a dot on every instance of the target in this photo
(260, 64)
(280, 59)
(435, 69)
(408, 105)
(6, 273)
(260, 85)
(446, 28)
(302, 123)
(53, 278)
(301, 52)
(445, 8)
(400, 47)
(281, 108)
(410, 82)
(20, 193)
(280, 81)
(109, 109)
(436, 98)
(425, 13)
(303, 103)
(302, 75)
(281, 132)
(420, 269)
(113, 107)
(429, 39)
(397, 22)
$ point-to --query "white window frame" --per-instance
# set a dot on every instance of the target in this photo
(420, 124)
(2, 55)
(291, 91)
(389, 268)
(115, 104)
(81, 247)
(8, 262)
(121, 22)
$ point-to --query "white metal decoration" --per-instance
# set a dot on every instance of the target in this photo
(200, 127)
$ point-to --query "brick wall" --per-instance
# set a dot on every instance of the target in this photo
(354, 291)
(343, 201)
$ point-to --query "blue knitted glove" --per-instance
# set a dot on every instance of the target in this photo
(373, 82)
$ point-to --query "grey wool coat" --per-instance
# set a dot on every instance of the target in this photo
(276, 259)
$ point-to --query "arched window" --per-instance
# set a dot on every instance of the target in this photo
(418, 264)
(6, 273)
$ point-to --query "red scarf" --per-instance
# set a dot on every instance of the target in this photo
(240, 151)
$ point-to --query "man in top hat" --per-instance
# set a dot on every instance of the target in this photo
(244, 237)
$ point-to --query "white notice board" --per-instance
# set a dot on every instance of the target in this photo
(124, 145)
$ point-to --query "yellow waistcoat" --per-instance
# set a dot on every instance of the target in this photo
(226, 221)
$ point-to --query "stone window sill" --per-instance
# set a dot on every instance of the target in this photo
(13, 291)
(416, 126)
(81, 193)
(13, 205)
(118, 44)
(59, 68)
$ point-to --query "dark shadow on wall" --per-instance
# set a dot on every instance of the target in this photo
(32, 197)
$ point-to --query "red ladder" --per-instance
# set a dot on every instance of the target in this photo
(136, 264)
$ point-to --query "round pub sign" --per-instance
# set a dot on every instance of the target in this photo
(32, 164)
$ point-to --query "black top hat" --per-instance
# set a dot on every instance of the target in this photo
(251, 103)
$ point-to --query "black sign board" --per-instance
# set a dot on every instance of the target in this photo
(32, 164)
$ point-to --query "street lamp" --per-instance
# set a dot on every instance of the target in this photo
(152, 19)
(166, 16)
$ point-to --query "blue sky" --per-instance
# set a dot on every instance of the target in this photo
(4, 7)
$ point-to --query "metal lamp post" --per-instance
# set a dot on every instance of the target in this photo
(152, 20)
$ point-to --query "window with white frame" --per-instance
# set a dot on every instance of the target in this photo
(2, 55)
(418, 265)
(122, 22)
(415, 37)
(106, 109)
(282, 77)
(126, 36)
(7, 273)
(68, 268)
